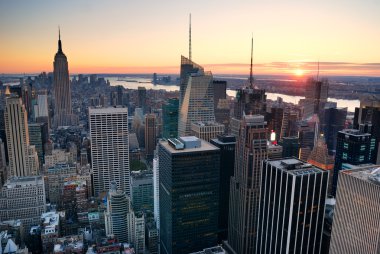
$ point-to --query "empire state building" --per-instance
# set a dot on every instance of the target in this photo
(63, 115)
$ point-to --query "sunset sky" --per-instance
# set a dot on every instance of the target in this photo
(144, 36)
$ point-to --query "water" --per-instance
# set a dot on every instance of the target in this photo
(350, 104)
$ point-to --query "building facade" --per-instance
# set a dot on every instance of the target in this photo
(189, 194)
(170, 118)
(109, 148)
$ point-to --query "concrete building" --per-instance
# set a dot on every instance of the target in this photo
(156, 191)
(292, 206)
(189, 194)
(142, 191)
(251, 150)
(356, 224)
(54, 180)
(109, 148)
(207, 130)
(23, 198)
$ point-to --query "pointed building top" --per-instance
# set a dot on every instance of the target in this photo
(250, 73)
(190, 36)
(59, 40)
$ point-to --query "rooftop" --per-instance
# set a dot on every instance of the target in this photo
(354, 132)
(108, 110)
(205, 146)
(212, 250)
(295, 167)
(369, 174)
(21, 182)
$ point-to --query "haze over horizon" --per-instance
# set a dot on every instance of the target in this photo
(150, 36)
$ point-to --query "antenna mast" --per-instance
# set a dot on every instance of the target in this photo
(190, 37)
(250, 74)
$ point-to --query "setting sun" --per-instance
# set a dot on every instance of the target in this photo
(298, 72)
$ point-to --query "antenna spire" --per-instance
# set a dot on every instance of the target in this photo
(59, 40)
(318, 71)
(190, 36)
(250, 74)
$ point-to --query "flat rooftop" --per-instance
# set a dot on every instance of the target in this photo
(18, 182)
(107, 110)
(205, 146)
(354, 132)
(295, 167)
(367, 173)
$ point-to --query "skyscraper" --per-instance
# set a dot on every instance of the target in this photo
(189, 194)
(354, 147)
(220, 88)
(226, 144)
(109, 148)
(251, 150)
(292, 205)
(150, 134)
(196, 102)
(356, 224)
(170, 118)
(19, 151)
(62, 90)
(141, 103)
(316, 94)
(333, 120)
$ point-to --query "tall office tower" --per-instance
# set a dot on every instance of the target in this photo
(156, 190)
(354, 147)
(3, 163)
(289, 123)
(109, 148)
(17, 132)
(222, 114)
(113, 98)
(333, 120)
(356, 224)
(220, 88)
(226, 144)
(290, 146)
(274, 151)
(308, 134)
(38, 136)
(63, 115)
(292, 206)
(142, 191)
(141, 98)
(369, 112)
(250, 101)
(207, 131)
(316, 94)
(150, 135)
(170, 118)
(196, 102)
(23, 198)
(120, 92)
(189, 194)
(276, 119)
(251, 150)
(42, 108)
(116, 216)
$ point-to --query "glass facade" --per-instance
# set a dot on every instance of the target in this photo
(170, 119)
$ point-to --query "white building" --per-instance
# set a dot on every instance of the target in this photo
(156, 196)
(110, 148)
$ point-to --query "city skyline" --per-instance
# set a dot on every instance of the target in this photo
(104, 39)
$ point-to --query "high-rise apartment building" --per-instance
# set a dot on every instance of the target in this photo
(251, 150)
(170, 118)
(109, 148)
(292, 206)
(63, 114)
(189, 194)
(21, 155)
(226, 144)
(150, 135)
(356, 224)
(196, 102)
(23, 198)
(354, 147)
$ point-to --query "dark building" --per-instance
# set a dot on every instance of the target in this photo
(188, 194)
(226, 145)
(119, 91)
(290, 147)
(170, 118)
(333, 120)
(316, 94)
(250, 101)
(38, 136)
(141, 103)
(150, 135)
(220, 88)
(275, 120)
(292, 206)
(354, 147)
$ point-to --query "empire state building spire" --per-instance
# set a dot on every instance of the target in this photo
(59, 41)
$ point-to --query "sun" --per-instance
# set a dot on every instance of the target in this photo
(298, 72)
